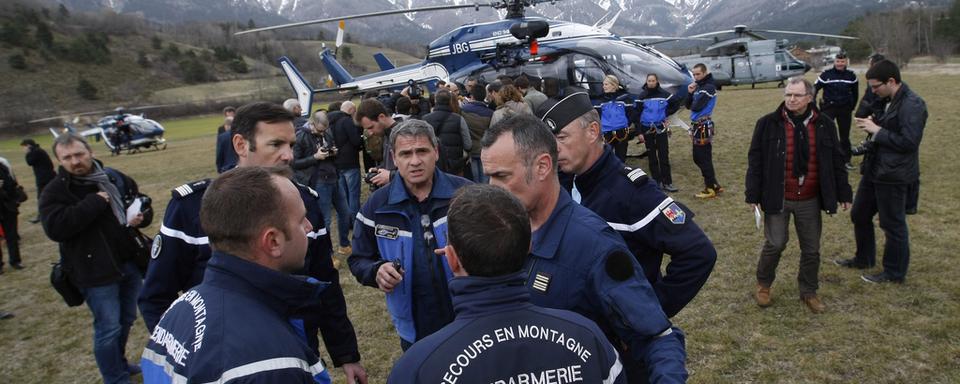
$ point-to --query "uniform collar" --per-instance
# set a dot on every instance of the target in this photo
(282, 292)
(442, 188)
(547, 239)
(473, 296)
(607, 163)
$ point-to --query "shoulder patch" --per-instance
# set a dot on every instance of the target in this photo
(312, 192)
(190, 188)
(619, 266)
(636, 176)
(674, 213)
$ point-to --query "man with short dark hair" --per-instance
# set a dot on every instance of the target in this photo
(701, 100)
(651, 223)
(840, 91)
(531, 95)
(39, 161)
(375, 121)
(795, 167)
(228, 111)
(263, 135)
(84, 209)
(226, 156)
(398, 229)
(577, 261)
(489, 236)
(236, 325)
(890, 165)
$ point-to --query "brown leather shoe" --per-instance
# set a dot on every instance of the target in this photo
(814, 303)
(762, 296)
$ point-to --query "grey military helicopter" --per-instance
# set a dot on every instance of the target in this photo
(746, 58)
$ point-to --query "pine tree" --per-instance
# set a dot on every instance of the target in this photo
(86, 89)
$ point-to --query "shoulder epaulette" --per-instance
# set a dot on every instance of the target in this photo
(312, 192)
(636, 175)
(189, 188)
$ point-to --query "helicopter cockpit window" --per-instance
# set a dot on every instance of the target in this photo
(629, 63)
(587, 73)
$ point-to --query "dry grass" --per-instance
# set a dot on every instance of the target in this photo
(883, 334)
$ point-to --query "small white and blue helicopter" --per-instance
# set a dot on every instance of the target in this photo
(559, 53)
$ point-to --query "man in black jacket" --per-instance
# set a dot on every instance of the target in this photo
(346, 137)
(84, 210)
(890, 165)
(840, 88)
(9, 212)
(39, 160)
(452, 131)
(795, 167)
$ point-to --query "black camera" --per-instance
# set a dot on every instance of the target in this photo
(368, 178)
(414, 91)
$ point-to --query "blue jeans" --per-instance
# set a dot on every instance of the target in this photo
(477, 168)
(114, 308)
(350, 190)
(330, 196)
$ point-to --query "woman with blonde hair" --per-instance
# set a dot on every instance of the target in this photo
(616, 116)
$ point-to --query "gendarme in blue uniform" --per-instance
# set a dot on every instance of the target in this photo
(235, 327)
(580, 264)
(652, 224)
(180, 254)
(390, 228)
(499, 337)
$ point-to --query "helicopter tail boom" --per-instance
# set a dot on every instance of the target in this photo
(337, 71)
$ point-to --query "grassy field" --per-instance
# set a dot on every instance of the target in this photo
(869, 334)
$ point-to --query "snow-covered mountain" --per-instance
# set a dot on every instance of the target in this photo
(626, 17)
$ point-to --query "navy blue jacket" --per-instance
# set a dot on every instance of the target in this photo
(180, 254)
(579, 263)
(704, 99)
(389, 229)
(498, 335)
(840, 89)
(236, 327)
(226, 154)
(652, 224)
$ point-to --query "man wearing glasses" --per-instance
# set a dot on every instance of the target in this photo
(890, 165)
(794, 167)
(398, 229)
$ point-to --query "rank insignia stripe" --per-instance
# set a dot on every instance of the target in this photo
(541, 282)
(674, 213)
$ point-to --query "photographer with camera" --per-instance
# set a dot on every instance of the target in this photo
(313, 165)
(376, 121)
(420, 104)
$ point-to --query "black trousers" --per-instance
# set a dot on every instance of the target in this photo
(889, 201)
(658, 154)
(619, 141)
(842, 117)
(9, 223)
(703, 157)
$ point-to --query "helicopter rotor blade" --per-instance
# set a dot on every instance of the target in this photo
(371, 14)
(714, 33)
(808, 34)
(661, 39)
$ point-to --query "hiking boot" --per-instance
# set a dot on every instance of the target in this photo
(669, 188)
(813, 302)
(762, 296)
(717, 188)
(345, 250)
(707, 193)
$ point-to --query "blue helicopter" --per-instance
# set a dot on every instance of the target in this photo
(559, 53)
